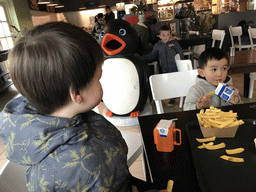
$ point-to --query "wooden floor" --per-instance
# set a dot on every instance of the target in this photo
(136, 169)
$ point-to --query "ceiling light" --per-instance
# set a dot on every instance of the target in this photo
(53, 3)
(43, 2)
(59, 6)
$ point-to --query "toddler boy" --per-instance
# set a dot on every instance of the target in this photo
(213, 69)
(164, 52)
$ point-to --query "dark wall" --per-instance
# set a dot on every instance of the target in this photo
(74, 5)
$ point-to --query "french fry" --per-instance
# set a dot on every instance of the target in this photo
(214, 123)
(203, 145)
(211, 93)
(233, 159)
(236, 123)
(170, 185)
(214, 147)
(203, 140)
(226, 123)
(234, 151)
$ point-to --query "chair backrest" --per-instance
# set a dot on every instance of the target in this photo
(177, 57)
(218, 35)
(171, 85)
(198, 49)
(13, 178)
(184, 65)
(235, 32)
(252, 35)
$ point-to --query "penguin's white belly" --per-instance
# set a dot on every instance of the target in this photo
(120, 83)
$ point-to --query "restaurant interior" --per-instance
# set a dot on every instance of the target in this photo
(22, 15)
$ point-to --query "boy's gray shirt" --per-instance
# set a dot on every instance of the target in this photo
(165, 53)
(202, 88)
(83, 153)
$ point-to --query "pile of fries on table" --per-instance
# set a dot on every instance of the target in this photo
(215, 118)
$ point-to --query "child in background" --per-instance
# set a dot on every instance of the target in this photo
(213, 69)
(109, 16)
(164, 52)
(51, 127)
(99, 25)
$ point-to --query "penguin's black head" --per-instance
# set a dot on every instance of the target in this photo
(119, 38)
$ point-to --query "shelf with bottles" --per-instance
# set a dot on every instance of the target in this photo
(165, 12)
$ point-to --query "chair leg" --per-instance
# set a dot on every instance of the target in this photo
(251, 87)
(159, 107)
(195, 62)
(181, 102)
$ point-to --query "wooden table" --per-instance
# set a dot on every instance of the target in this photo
(186, 40)
(243, 62)
(178, 165)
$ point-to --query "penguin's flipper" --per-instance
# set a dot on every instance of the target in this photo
(109, 113)
(135, 114)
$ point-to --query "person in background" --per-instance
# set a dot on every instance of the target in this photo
(144, 34)
(99, 25)
(51, 128)
(109, 14)
(212, 70)
(164, 52)
(150, 22)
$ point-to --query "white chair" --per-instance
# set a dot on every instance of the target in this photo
(183, 65)
(155, 64)
(251, 86)
(252, 35)
(171, 85)
(156, 68)
(12, 177)
(189, 52)
(218, 35)
(237, 32)
(177, 57)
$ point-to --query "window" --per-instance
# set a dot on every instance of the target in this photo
(6, 41)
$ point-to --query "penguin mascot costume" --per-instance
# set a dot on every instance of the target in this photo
(125, 76)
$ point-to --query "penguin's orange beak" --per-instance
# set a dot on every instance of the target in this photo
(112, 44)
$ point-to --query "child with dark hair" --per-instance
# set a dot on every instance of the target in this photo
(213, 69)
(51, 128)
(99, 24)
(164, 52)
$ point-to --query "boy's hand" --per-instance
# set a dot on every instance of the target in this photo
(235, 97)
(203, 102)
